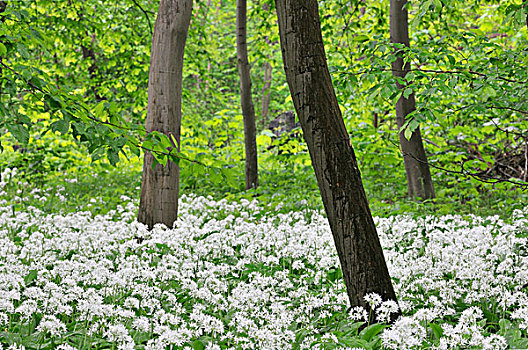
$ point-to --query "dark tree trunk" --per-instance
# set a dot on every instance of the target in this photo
(333, 158)
(160, 186)
(419, 181)
(248, 110)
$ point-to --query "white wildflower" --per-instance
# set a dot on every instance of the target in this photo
(372, 299)
(52, 325)
(358, 313)
(386, 309)
(405, 333)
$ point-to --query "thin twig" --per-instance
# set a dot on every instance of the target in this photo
(510, 109)
(477, 176)
(145, 13)
(435, 71)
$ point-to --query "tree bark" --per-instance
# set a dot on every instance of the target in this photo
(160, 186)
(419, 181)
(248, 110)
(333, 158)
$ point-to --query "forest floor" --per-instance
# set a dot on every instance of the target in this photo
(77, 271)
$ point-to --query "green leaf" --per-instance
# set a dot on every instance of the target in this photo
(30, 277)
(3, 50)
(19, 132)
(98, 153)
(489, 93)
(371, 331)
(53, 102)
(437, 330)
(154, 163)
(198, 345)
(360, 38)
(519, 343)
(504, 325)
(413, 125)
(451, 59)
(61, 126)
(22, 50)
(113, 156)
(98, 110)
(24, 119)
(407, 133)
(174, 157)
(334, 274)
(407, 92)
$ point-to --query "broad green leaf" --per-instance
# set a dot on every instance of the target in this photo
(407, 133)
(30, 277)
(98, 110)
(19, 132)
(198, 345)
(61, 126)
(368, 333)
(413, 125)
(113, 156)
(360, 38)
(437, 330)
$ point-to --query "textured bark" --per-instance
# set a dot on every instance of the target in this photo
(333, 159)
(248, 110)
(160, 186)
(419, 181)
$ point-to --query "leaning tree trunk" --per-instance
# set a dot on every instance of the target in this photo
(160, 186)
(333, 158)
(419, 181)
(248, 110)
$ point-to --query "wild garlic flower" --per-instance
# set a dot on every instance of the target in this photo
(358, 313)
(52, 325)
(372, 299)
(405, 334)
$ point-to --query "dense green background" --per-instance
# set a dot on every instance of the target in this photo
(74, 96)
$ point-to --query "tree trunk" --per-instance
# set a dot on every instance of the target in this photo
(160, 186)
(419, 181)
(333, 159)
(248, 110)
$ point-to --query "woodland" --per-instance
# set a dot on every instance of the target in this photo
(288, 174)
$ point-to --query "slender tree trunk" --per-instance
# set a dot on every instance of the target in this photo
(333, 158)
(419, 181)
(248, 110)
(160, 186)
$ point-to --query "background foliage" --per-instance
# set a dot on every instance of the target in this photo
(74, 95)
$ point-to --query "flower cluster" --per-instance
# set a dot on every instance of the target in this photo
(238, 275)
